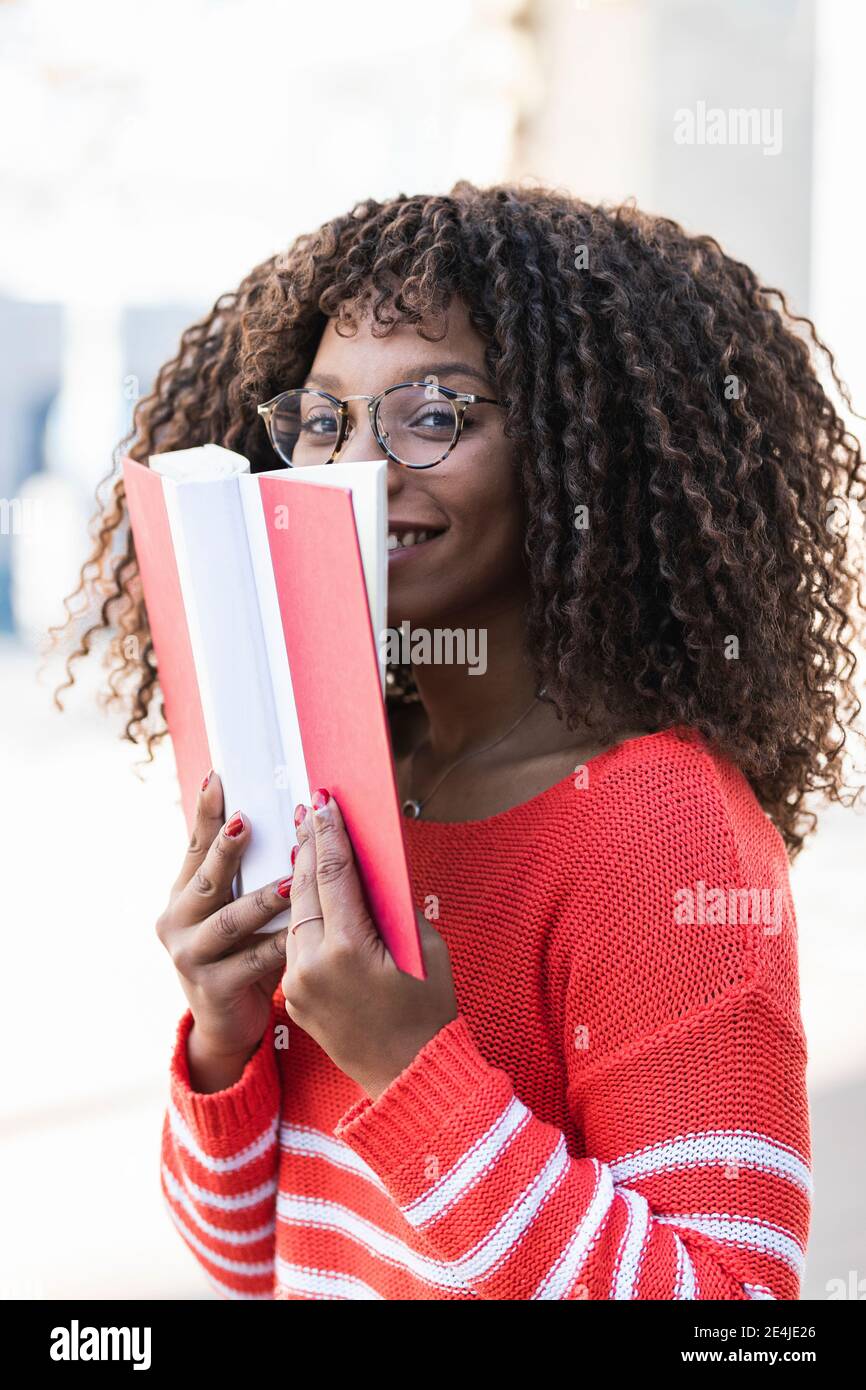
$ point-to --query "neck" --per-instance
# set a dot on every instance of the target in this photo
(463, 708)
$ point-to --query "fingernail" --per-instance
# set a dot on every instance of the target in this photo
(295, 849)
(300, 812)
(320, 798)
(284, 887)
(207, 779)
(234, 827)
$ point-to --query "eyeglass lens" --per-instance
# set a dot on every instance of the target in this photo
(417, 424)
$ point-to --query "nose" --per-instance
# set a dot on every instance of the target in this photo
(396, 478)
(360, 442)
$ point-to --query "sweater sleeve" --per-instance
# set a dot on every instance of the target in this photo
(687, 1171)
(700, 1213)
(219, 1169)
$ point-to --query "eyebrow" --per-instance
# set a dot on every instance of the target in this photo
(416, 372)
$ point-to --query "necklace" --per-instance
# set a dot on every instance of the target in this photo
(412, 808)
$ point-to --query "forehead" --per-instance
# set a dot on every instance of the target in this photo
(401, 352)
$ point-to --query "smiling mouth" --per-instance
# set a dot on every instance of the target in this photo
(400, 541)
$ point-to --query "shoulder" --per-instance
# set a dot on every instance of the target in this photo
(670, 797)
(660, 902)
(646, 813)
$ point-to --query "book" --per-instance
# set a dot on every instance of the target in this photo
(266, 596)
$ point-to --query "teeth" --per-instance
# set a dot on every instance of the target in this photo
(408, 538)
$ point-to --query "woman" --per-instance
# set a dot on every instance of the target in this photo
(598, 1092)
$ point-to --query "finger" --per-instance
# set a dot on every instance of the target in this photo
(431, 941)
(208, 819)
(210, 885)
(230, 927)
(307, 924)
(339, 886)
(254, 961)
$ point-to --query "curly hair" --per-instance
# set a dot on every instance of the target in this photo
(654, 388)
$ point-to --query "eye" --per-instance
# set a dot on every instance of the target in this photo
(434, 416)
(320, 422)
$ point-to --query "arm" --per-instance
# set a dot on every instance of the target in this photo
(698, 1192)
(219, 1142)
(219, 1168)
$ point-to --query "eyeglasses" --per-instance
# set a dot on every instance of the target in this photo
(415, 423)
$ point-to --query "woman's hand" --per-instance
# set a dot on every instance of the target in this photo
(340, 983)
(228, 974)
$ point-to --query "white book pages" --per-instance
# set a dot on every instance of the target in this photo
(232, 667)
(205, 464)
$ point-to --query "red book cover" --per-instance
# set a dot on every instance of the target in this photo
(168, 628)
(326, 645)
(332, 657)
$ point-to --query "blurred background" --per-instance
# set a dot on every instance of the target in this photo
(151, 154)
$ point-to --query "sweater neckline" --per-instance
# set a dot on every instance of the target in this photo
(533, 802)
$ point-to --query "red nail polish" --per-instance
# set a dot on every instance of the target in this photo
(300, 812)
(234, 826)
(320, 798)
(295, 849)
(284, 887)
(207, 779)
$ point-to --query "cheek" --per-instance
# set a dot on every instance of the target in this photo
(481, 559)
(490, 518)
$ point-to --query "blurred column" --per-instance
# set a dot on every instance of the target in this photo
(82, 428)
(839, 202)
(85, 419)
(618, 72)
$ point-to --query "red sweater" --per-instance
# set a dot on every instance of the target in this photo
(619, 1110)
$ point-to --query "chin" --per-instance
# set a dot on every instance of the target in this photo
(418, 614)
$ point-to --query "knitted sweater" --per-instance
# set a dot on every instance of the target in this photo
(618, 1111)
